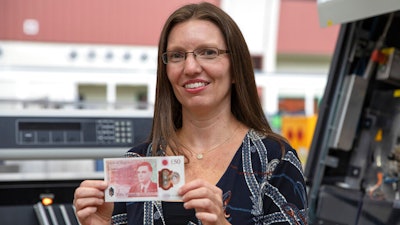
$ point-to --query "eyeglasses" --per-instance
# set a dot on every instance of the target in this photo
(199, 54)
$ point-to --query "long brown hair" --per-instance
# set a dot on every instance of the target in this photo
(245, 106)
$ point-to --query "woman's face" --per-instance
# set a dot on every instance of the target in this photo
(200, 84)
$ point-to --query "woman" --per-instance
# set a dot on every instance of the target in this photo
(237, 170)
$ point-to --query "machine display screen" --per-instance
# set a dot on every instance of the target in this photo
(49, 126)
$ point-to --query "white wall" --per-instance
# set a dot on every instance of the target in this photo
(40, 71)
(274, 86)
(258, 21)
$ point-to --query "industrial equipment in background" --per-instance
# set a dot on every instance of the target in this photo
(353, 168)
(46, 154)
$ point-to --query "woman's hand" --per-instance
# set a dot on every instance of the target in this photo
(206, 199)
(89, 203)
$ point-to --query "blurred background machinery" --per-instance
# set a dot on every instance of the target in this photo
(353, 168)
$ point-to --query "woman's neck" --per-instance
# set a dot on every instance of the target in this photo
(204, 133)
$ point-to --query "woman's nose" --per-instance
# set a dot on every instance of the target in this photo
(191, 65)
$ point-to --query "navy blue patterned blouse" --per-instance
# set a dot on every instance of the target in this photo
(259, 187)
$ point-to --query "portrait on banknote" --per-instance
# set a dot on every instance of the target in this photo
(143, 178)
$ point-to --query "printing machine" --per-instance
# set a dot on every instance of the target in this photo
(45, 155)
(353, 167)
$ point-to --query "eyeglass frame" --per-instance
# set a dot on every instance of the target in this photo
(164, 56)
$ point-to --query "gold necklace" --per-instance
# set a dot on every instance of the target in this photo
(200, 155)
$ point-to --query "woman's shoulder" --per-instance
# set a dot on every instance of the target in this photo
(281, 150)
(276, 150)
(275, 145)
(138, 150)
(276, 142)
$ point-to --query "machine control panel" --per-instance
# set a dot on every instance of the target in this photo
(73, 136)
(34, 132)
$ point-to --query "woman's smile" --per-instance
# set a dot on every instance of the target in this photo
(195, 85)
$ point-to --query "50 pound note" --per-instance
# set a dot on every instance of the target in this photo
(144, 178)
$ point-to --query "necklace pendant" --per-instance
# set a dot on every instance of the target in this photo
(199, 156)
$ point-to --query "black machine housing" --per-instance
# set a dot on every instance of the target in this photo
(353, 167)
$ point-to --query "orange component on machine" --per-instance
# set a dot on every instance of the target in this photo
(299, 131)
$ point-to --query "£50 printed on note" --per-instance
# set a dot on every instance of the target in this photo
(144, 178)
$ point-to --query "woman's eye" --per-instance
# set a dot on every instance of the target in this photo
(176, 55)
(208, 52)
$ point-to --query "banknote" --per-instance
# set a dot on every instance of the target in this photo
(144, 178)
